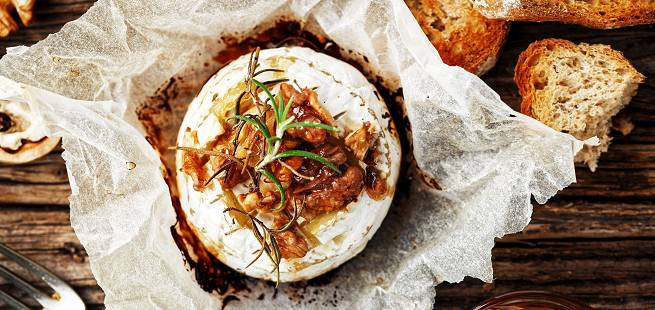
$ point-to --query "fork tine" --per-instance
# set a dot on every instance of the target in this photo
(64, 296)
(12, 302)
(33, 267)
(21, 284)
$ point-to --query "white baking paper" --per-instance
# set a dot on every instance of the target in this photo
(488, 159)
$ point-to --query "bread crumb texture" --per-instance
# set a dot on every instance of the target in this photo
(576, 89)
(462, 35)
(590, 13)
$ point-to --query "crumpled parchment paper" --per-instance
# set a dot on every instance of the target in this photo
(87, 80)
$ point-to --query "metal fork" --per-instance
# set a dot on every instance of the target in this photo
(64, 297)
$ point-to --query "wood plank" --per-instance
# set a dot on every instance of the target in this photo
(34, 193)
(43, 181)
(606, 274)
(579, 219)
(600, 253)
(48, 170)
(546, 255)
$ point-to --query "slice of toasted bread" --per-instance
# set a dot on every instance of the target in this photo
(462, 36)
(576, 89)
(591, 13)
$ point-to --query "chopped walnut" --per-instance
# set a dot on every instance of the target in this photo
(361, 140)
(309, 97)
(343, 190)
(24, 10)
(292, 245)
(322, 112)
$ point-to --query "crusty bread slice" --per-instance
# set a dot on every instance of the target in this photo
(590, 13)
(576, 89)
(462, 36)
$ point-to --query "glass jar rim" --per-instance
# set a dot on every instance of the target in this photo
(532, 299)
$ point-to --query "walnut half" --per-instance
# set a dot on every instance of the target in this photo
(24, 10)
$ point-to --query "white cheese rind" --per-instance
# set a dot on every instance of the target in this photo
(340, 87)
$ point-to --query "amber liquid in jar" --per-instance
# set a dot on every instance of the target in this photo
(532, 300)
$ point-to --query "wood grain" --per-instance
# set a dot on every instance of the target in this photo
(40, 182)
(595, 240)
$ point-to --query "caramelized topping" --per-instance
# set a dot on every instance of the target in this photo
(323, 189)
(287, 91)
(332, 152)
(233, 175)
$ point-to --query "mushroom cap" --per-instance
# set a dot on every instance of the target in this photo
(22, 133)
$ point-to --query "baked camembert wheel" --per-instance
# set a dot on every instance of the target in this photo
(288, 162)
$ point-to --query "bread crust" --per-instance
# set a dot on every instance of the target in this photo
(611, 14)
(463, 36)
(524, 76)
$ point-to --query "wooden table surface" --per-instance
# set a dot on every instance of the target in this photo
(595, 240)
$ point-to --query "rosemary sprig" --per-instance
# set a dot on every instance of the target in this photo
(206, 152)
(266, 236)
(274, 104)
(287, 107)
(310, 155)
(312, 124)
(258, 124)
(283, 123)
(283, 196)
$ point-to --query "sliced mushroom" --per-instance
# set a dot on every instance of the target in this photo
(29, 151)
(22, 136)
